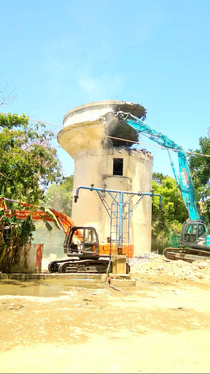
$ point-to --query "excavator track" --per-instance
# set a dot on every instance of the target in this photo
(80, 266)
(83, 266)
(54, 265)
(186, 254)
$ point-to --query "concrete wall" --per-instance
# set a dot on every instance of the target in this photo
(95, 167)
(93, 164)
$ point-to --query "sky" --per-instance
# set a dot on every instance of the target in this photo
(59, 54)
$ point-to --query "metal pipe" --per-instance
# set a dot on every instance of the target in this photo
(76, 197)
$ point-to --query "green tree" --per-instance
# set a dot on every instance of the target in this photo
(29, 163)
(166, 224)
(200, 168)
(200, 171)
(15, 233)
(59, 197)
(158, 177)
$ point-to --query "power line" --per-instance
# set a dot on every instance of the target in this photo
(36, 120)
(46, 123)
(159, 146)
(121, 139)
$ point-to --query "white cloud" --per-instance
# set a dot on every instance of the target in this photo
(88, 84)
(101, 86)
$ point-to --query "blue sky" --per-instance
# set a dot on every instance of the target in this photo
(61, 54)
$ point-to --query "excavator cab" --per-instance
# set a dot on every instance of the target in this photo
(89, 243)
(81, 246)
(194, 243)
(193, 233)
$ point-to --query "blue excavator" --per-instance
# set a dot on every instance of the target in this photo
(195, 238)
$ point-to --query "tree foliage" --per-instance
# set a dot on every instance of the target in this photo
(14, 234)
(59, 197)
(167, 222)
(28, 161)
(200, 171)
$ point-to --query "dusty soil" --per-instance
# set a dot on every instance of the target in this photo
(160, 326)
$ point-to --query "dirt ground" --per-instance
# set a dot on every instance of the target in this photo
(160, 326)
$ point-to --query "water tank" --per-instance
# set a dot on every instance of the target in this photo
(106, 155)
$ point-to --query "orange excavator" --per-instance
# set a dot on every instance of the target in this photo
(81, 244)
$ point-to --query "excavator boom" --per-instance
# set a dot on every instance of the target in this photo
(195, 241)
(36, 214)
(184, 182)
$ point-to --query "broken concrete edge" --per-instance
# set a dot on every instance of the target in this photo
(138, 110)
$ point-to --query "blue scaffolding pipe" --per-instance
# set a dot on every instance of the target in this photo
(120, 202)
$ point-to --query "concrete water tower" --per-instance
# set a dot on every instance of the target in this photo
(104, 156)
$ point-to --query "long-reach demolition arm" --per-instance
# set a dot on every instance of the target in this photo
(194, 240)
(62, 220)
(184, 181)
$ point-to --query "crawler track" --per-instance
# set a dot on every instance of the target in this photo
(88, 265)
(186, 254)
(79, 266)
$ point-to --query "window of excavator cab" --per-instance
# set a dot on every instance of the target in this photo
(201, 230)
(89, 236)
(192, 229)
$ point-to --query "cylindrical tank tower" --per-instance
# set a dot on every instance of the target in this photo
(104, 153)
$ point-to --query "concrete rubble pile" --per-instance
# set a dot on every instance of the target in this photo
(154, 265)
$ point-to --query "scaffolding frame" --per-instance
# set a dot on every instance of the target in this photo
(120, 209)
